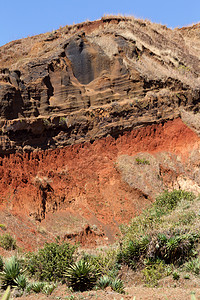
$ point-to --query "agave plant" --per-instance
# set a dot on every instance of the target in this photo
(10, 272)
(36, 287)
(21, 281)
(81, 275)
(104, 282)
(117, 286)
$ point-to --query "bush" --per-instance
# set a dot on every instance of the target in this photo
(7, 242)
(168, 201)
(142, 161)
(21, 281)
(36, 287)
(131, 252)
(105, 263)
(39, 286)
(48, 289)
(50, 262)
(171, 247)
(176, 275)
(82, 275)
(104, 282)
(193, 266)
(155, 271)
(117, 286)
(11, 271)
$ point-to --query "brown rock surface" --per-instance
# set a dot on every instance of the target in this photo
(81, 109)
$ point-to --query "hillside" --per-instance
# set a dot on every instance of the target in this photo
(96, 120)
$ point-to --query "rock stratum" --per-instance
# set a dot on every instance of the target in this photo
(96, 120)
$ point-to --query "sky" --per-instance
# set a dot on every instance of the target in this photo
(22, 18)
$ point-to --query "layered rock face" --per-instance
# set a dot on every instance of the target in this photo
(81, 111)
(86, 81)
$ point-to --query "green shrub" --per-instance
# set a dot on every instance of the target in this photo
(117, 286)
(82, 275)
(7, 242)
(187, 218)
(105, 263)
(142, 161)
(187, 276)
(11, 271)
(50, 262)
(131, 252)
(171, 247)
(104, 282)
(168, 201)
(48, 289)
(115, 283)
(21, 281)
(3, 226)
(176, 275)
(36, 287)
(155, 271)
(193, 266)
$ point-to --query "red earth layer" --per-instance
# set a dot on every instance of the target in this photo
(79, 185)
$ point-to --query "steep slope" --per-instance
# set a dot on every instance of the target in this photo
(96, 119)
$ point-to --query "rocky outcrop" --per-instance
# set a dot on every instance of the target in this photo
(90, 80)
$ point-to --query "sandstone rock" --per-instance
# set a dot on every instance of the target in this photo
(137, 72)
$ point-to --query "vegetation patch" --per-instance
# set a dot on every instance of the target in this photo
(50, 263)
(142, 161)
(162, 241)
(7, 242)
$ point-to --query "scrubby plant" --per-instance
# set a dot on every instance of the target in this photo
(168, 201)
(48, 289)
(186, 276)
(187, 218)
(104, 282)
(155, 271)
(117, 285)
(105, 262)
(142, 161)
(3, 226)
(50, 262)
(176, 275)
(193, 266)
(7, 242)
(11, 272)
(130, 253)
(81, 275)
(171, 247)
(36, 287)
(21, 281)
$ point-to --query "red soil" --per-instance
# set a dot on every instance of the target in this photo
(68, 188)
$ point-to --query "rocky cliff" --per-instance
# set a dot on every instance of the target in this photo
(96, 119)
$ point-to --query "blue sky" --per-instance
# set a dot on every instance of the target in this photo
(22, 18)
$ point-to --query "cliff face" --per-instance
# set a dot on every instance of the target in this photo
(86, 81)
(82, 109)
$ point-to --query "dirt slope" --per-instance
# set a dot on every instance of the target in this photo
(96, 119)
